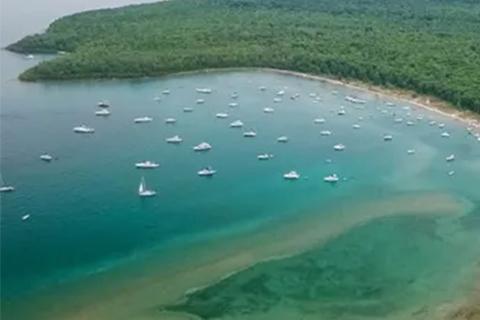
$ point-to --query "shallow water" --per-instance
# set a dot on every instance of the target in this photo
(87, 219)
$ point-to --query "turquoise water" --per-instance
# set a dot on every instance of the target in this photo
(86, 216)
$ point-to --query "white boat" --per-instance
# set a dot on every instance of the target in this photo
(331, 178)
(390, 104)
(268, 110)
(233, 104)
(411, 151)
(420, 118)
(341, 112)
(295, 96)
(432, 123)
(103, 104)
(157, 99)
(102, 113)
(166, 92)
(25, 217)
(200, 101)
(146, 165)
(339, 147)
(319, 121)
(142, 120)
(280, 92)
(7, 189)
(334, 92)
(83, 129)
(204, 90)
(441, 125)
(221, 115)
(398, 120)
(30, 56)
(325, 133)
(410, 123)
(187, 109)
(174, 140)
(356, 126)
(46, 157)
(450, 158)
(265, 156)
(249, 134)
(204, 146)
(445, 135)
(236, 124)
(451, 173)
(387, 137)
(234, 95)
(292, 175)
(282, 139)
(355, 100)
(312, 94)
(143, 191)
(206, 172)
(170, 120)
(277, 100)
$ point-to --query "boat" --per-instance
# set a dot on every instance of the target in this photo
(356, 126)
(102, 113)
(46, 157)
(451, 173)
(282, 139)
(143, 191)
(233, 104)
(187, 109)
(174, 140)
(325, 133)
(432, 123)
(170, 120)
(204, 90)
(30, 56)
(339, 147)
(7, 188)
(204, 146)
(142, 120)
(265, 156)
(355, 100)
(390, 104)
(277, 100)
(292, 175)
(280, 92)
(398, 120)
(450, 158)
(319, 120)
(234, 95)
(312, 94)
(411, 151)
(146, 165)
(83, 129)
(268, 110)
(200, 101)
(387, 137)
(250, 134)
(295, 96)
(441, 125)
(236, 124)
(103, 104)
(445, 135)
(410, 123)
(166, 92)
(262, 88)
(341, 112)
(25, 217)
(221, 115)
(206, 172)
(331, 178)
(157, 99)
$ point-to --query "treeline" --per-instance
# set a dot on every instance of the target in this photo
(430, 46)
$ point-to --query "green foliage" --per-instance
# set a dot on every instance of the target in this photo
(430, 46)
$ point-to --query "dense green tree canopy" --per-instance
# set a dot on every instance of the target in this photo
(430, 46)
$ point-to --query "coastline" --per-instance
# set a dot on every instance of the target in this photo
(155, 286)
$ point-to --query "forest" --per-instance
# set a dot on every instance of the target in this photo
(428, 46)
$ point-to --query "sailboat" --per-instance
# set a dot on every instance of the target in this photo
(143, 191)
